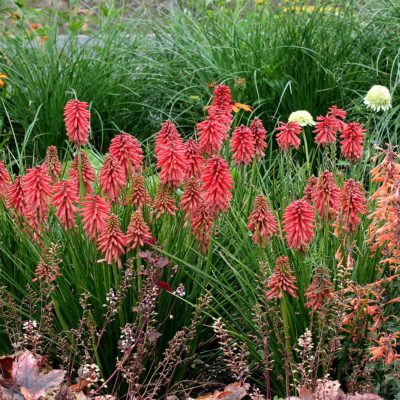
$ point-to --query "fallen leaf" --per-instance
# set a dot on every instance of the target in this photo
(34, 384)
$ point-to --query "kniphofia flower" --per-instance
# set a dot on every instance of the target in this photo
(194, 158)
(138, 195)
(95, 211)
(88, 175)
(172, 163)
(16, 198)
(302, 117)
(127, 150)
(262, 221)
(352, 141)
(112, 178)
(288, 135)
(191, 197)
(217, 184)
(5, 180)
(337, 112)
(64, 199)
(212, 133)
(167, 134)
(52, 162)
(354, 203)
(282, 280)
(259, 134)
(38, 191)
(201, 225)
(242, 145)
(326, 129)
(163, 202)
(111, 241)
(76, 117)
(327, 195)
(311, 189)
(378, 98)
(138, 232)
(299, 224)
(222, 104)
(319, 292)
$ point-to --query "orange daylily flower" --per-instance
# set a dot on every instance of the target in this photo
(239, 106)
(3, 78)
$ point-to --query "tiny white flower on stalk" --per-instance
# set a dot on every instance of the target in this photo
(378, 98)
(302, 117)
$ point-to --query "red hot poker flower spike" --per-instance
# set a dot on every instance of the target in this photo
(5, 180)
(288, 135)
(191, 197)
(167, 134)
(201, 225)
(326, 129)
(352, 141)
(259, 134)
(262, 221)
(212, 133)
(52, 162)
(282, 280)
(64, 199)
(299, 224)
(217, 184)
(88, 175)
(95, 211)
(138, 232)
(320, 289)
(311, 189)
(354, 203)
(111, 241)
(77, 121)
(243, 145)
(194, 158)
(112, 178)
(327, 196)
(127, 150)
(164, 202)
(16, 197)
(138, 195)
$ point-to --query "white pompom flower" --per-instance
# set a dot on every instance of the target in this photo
(302, 117)
(378, 98)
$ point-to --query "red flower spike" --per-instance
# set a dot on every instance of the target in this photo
(111, 241)
(212, 133)
(194, 158)
(88, 175)
(326, 129)
(327, 196)
(16, 198)
(243, 145)
(217, 184)
(282, 280)
(167, 134)
(65, 195)
(320, 289)
(354, 204)
(112, 178)
(201, 225)
(77, 121)
(337, 112)
(352, 141)
(172, 163)
(5, 180)
(299, 224)
(138, 232)
(259, 134)
(38, 191)
(95, 211)
(262, 221)
(311, 190)
(127, 150)
(288, 135)
(52, 162)
(222, 104)
(138, 195)
(191, 197)
(164, 202)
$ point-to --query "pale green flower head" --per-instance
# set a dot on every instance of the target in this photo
(378, 98)
(302, 117)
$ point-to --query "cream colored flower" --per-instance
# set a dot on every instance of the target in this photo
(302, 117)
(378, 98)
